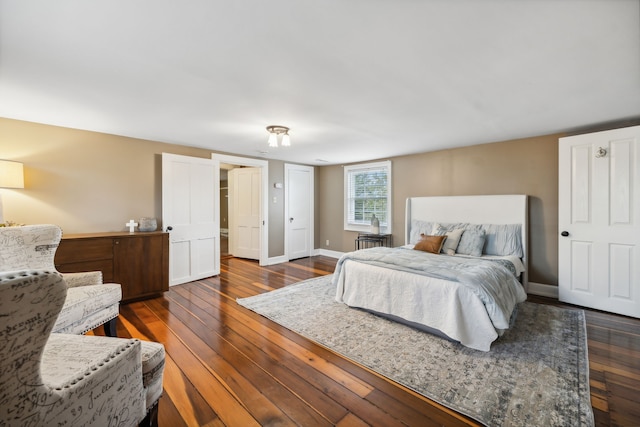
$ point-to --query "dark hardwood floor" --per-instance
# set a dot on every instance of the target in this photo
(227, 366)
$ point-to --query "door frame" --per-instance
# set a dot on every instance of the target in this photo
(287, 168)
(264, 183)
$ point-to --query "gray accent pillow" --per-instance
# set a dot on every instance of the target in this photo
(453, 237)
(472, 241)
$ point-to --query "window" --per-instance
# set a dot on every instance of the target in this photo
(367, 192)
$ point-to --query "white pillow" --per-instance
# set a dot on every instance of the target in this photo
(419, 227)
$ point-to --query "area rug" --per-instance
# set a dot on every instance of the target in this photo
(537, 374)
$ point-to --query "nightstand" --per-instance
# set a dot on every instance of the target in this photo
(370, 240)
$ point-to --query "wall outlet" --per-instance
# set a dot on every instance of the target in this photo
(327, 242)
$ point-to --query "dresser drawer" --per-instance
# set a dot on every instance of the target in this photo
(81, 250)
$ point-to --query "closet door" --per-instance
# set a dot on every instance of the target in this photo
(299, 195)
(599, 220)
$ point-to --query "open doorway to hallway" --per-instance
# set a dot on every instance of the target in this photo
(247, 203)
(224, 209)
(241, 219)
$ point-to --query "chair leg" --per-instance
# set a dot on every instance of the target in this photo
(110, 329)
(151, 420)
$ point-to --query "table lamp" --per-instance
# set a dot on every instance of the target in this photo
(11, 176)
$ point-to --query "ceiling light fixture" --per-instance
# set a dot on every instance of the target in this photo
(275, 132)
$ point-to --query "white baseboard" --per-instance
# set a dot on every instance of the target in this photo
(277, 260)
(543, 290)
(327, 252)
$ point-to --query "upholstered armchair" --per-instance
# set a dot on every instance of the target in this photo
(49, 379)
(89, 303)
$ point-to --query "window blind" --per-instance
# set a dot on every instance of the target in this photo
(366, 194)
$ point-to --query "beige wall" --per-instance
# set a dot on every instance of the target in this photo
(526, 166)
(91, 182)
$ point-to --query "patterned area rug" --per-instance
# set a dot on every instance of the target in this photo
(537, 374)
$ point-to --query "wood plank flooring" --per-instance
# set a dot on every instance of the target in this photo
(227, 366)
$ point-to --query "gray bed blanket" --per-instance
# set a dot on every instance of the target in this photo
(493, 283)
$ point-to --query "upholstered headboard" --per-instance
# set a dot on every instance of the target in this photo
(496, 209)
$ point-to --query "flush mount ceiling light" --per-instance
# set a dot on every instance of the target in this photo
(275, 132)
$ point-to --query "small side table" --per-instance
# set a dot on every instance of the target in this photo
(369, 240)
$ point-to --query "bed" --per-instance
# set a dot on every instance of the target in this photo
(470, 294)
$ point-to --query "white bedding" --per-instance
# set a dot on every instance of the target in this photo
(450, 307)
(441, 302)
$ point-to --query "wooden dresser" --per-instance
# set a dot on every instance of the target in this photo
(137, 261)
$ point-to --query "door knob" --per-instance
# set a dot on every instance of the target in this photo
(564, 233)
(290, 219)
(169, 228)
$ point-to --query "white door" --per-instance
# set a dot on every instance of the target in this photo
(599, 220)
(245, 212)
(190, 201)
(299, 194)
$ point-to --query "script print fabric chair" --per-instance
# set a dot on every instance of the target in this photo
(49, 379)
(61, 379)
(89, 304)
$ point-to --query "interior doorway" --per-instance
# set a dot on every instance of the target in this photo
(224, 209)
(228, 163)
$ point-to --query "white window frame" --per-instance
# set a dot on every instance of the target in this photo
(366, 227)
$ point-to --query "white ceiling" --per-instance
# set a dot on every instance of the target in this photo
(353, 79)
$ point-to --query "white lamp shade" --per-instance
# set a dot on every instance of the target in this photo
(11, 174)
(273, 140)
(285, 140)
